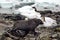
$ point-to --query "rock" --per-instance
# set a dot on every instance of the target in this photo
(54, 35)
(32, 38)
(8, 38)
(54, 39)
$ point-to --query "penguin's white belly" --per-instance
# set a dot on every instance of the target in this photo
(49, 22)
(31, 15)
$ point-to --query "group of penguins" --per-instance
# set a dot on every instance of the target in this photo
(27, 21)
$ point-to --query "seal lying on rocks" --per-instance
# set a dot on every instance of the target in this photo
(22, 27)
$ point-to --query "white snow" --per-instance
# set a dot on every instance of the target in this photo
(49, 1)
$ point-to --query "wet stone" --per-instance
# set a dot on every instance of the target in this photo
(55, 35)
(54, 39)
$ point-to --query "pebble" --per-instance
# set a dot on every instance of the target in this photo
(54, 35)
